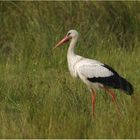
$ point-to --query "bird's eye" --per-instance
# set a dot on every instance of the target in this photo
(68, 34)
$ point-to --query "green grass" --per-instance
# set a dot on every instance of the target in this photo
(38, 97)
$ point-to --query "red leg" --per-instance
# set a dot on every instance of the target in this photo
(93, 100)
(113, 96)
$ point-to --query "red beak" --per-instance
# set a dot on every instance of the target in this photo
(64, 40)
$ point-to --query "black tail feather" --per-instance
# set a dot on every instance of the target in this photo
(114, 81)
(126, 86)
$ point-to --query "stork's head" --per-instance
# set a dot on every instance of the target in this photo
(70, 35)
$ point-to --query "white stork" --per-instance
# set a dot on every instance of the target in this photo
(94, 73)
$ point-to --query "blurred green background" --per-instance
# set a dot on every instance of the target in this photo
(39, 98)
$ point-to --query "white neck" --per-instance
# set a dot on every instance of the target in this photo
(72, 46)
(72, 58)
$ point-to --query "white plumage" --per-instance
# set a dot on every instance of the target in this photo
(88, 68)
(93, 73)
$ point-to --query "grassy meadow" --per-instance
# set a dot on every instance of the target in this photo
(38, 97)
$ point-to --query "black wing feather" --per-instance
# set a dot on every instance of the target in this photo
(114, 81)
